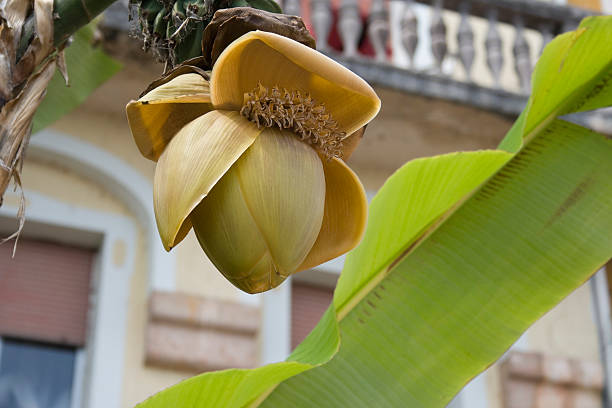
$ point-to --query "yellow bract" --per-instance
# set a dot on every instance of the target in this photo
(196, 158)
(344, 219)
(263, 203)
(272, 60)
(261, 220)
(156, 117)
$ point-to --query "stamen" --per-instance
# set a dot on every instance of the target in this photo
(296, 111)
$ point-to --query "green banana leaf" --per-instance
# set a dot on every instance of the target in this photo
(462, 253)
(574, 74)
(88, 68)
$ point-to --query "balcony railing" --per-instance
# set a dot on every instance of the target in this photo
(475, 52)
(479, 52)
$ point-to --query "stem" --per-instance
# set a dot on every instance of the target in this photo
(70, 15)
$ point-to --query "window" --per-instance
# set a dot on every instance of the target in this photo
(308, 303)
(35, 375)
(44, 302)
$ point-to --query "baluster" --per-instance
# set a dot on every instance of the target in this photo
(546, 30)
(438, 35)
(522, 59)
(292, 7)
(321, 22)
(465, 40)
(410, 31)
(349, 25)
(493, 46)
(378, 29)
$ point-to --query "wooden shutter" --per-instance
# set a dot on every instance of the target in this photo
(44, 292)
(308, 303)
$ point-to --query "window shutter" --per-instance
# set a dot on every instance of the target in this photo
(308, 303)
(44, 292)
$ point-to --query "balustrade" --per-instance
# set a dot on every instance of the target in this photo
(494, 38)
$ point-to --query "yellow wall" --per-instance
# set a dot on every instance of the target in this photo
(68, 187)
(569, 329)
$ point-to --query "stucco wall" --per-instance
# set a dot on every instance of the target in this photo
(569, 330)
(481, 73)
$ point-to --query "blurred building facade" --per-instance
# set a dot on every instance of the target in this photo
(94, 313)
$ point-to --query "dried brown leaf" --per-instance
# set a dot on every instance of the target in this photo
(7, 56)
(16, 119)
(41, 45)
(61, 66)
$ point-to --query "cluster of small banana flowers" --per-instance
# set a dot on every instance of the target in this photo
(243, 158)
(173, 28)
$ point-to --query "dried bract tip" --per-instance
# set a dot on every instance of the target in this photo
(296, 111)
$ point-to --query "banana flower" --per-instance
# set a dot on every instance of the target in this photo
(252, 158)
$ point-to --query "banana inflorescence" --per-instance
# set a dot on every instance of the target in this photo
(250, 156)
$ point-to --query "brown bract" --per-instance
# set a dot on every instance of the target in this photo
(230, 24)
